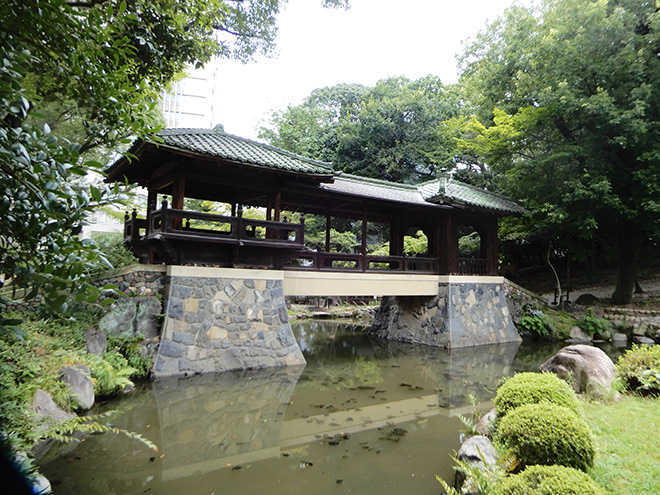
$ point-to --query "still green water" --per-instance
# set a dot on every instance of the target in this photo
(363, 416)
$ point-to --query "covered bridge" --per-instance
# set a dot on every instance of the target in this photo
(209, 164)
(227, 275)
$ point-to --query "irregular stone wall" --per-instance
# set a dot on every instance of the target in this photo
(464, 313)
(224, 319)
(135, 280)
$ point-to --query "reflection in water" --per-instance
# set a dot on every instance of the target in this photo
(371, 416)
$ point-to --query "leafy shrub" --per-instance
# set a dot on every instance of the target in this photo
(129, 348)
(114, 252)
(639, 370)
(533, 388)
(535, 323)
(549, 480)
(546, 434)
(593, 325)
(111, 374)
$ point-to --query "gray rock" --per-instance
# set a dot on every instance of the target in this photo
(577, 334)
(79, 382)
(148, 316)
(586, 300)
(40, 484)
(96, 341)
(592, 371)
(638, 339)
(120, 318)
(650, 328)
(477, 451)
(45, 409)
(485, 425)
(620, 339)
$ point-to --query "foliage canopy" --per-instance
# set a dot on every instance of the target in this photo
(565, 106)
(102, 64)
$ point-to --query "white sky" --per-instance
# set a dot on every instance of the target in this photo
(373, 40)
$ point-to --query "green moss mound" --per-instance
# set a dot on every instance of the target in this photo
(549, 480)
(547, 434)
(639, 370)
(534, 388)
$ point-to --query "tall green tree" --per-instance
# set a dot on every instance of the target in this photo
(104, 62)
(389, 131)
(566, 106)
(311, 128)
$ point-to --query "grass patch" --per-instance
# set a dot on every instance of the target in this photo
(627, 435)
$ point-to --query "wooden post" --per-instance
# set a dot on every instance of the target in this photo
(278, 200)
(178, 195)
(328, 224)
(152, 199)
(364, 238)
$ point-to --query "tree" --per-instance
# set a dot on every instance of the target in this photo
(311, 128)
(389, 131)
(566, 105)
(104, 62)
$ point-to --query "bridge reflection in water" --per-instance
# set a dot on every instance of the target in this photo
(246, 432)
(210, 422)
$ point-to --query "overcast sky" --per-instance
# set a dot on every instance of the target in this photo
(373, 40)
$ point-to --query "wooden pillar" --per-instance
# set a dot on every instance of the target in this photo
(451, 246)
(278, 201)
(396, 237)
(364, 238)
(152, 199)
(178, 195)
(328, 224)
(492, 246)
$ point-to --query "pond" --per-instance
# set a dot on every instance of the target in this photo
(363, 416)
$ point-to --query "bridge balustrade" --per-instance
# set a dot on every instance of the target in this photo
(190, 225)
(472, 266)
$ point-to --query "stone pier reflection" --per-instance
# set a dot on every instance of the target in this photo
(212, 421)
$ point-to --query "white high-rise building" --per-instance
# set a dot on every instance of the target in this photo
(191, 102)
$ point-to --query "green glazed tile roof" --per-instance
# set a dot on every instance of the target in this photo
(217, 143)
(442, 191)
(449, 191)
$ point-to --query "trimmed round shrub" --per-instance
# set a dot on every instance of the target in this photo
(549, 480)
(547, 434)
(534, 388)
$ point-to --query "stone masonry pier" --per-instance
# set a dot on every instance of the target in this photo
(466, 311)
(224, 319)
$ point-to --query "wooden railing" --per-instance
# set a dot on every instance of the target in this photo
(319, 260)
(183, 224)
(472, 266)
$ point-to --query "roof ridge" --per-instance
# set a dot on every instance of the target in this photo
(371, 180)
(215, 132)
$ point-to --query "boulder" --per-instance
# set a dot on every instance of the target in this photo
(148, 316)
(578, 336)
(477, 451)
(650, 327)
(592, 371)
(45, 409)
(586, 300)
(638, 339)
(118, 321)
(132, 316)
(620, 339)
(96, 341)
(79, 382)
(485, 425)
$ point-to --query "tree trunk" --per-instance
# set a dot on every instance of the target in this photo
(627, 276)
